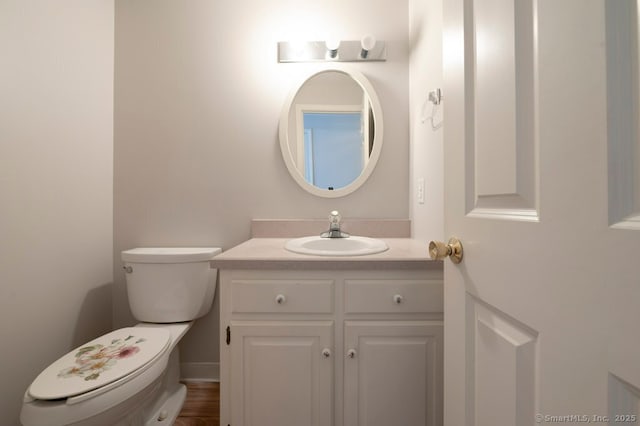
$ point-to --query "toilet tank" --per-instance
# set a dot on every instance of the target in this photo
(168, 285)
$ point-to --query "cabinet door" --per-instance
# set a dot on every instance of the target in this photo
(393, 373)
(281, 373)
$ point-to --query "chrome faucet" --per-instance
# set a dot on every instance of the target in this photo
(334, 227)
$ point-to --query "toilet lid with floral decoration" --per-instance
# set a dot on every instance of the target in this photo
(100, 362)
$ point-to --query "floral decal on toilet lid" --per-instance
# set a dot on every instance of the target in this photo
(95, 359)
(101, 361)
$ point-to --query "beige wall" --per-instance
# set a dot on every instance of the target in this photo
(56, 162)
(198, 95)
(426, 143)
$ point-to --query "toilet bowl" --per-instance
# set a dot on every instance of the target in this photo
(130, 376)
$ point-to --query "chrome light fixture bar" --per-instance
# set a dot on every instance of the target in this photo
(321, 51)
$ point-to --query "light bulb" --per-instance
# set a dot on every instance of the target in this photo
(332, 44)
(368, 42)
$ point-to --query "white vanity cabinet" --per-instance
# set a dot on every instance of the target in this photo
(331, 347)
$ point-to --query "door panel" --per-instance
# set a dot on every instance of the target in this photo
(502, 367)
(624, 402)
(623, 93)
(495, 54)
(541, 317)
(501, 146)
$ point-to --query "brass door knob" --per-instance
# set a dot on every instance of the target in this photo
(439, 250)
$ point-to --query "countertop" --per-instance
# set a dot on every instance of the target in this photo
(269, 253)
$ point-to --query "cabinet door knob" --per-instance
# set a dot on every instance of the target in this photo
(351, 353)
(397, 299)
(280, 299)
(326, 352)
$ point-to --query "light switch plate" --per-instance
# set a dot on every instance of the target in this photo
(420, 190)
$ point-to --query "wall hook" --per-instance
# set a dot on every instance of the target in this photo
(435, 97)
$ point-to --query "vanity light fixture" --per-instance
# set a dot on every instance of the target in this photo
(333, 50)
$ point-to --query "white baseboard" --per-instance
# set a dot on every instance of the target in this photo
(200, 371)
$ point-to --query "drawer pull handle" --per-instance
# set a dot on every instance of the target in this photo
(397, 299)
(351, 353)
(280, 299)
(326, 352)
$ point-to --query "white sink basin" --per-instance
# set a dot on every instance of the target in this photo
(351, 246)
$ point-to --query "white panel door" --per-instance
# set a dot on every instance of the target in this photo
(392, 373)
(281, 373)
(542, 162)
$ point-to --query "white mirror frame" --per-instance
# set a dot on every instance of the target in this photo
(377, 138)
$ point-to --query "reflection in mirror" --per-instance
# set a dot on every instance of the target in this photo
(336, 147)
(329, 133)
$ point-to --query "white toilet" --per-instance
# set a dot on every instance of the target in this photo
(131, 376)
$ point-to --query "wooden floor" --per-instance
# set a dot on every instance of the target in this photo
(202, 406)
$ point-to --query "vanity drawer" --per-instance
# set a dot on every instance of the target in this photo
(393, 296)
(282, 296)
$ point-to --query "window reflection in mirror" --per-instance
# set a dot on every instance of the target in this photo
(328, 136)
(336, 147)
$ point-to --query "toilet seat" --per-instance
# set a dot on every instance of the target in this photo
(102, 364)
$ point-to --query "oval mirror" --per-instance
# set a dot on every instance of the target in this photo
(331, 132)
